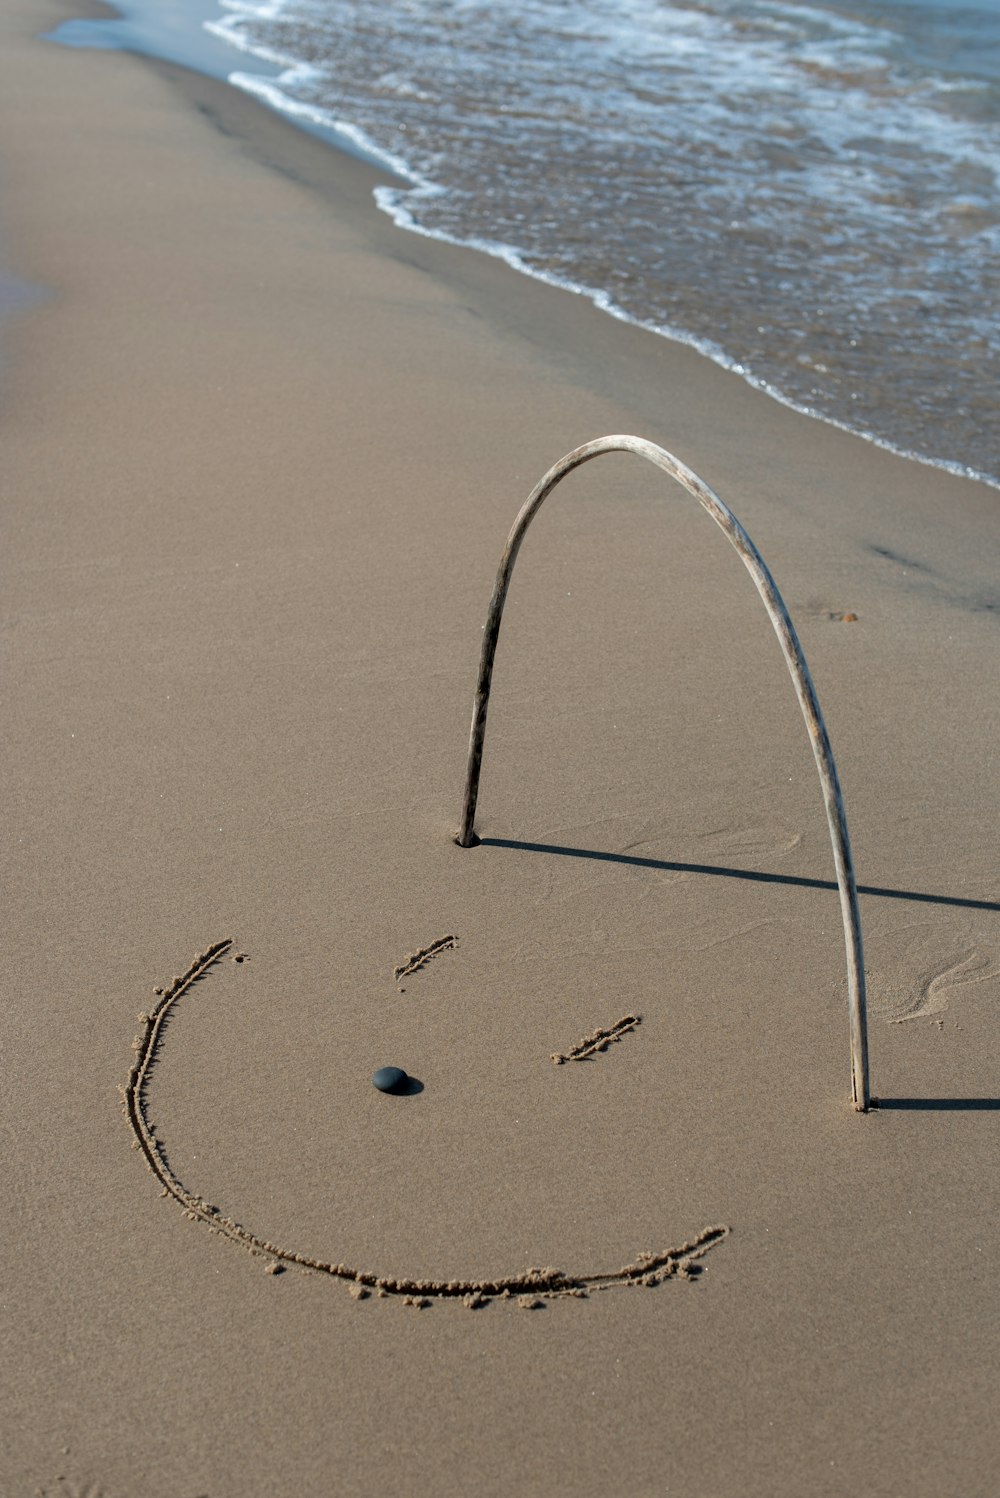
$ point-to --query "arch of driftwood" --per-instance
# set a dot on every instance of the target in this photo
(801, 679)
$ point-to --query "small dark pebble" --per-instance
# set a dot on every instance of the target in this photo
(390, 1079)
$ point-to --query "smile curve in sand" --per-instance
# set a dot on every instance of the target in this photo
(531, 1288)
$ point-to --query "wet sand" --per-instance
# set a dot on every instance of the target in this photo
(261, 453)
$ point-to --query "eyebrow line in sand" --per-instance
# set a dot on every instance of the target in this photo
(531, 1288)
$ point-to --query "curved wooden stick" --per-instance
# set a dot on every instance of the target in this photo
(801, 679)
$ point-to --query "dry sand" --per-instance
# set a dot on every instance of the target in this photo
(260, 454)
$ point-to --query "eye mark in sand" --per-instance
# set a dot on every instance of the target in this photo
(598, 1040)
(417, 960)
(531, 1288)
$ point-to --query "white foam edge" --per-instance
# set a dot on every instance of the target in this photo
(390, 201)
(270, 91)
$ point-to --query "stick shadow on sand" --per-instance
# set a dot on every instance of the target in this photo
(798, 670)
(751, 876)
(940, 1104)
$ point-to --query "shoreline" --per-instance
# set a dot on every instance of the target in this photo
(347, 137)
(261, 451)
(351, 141)
(274, 137)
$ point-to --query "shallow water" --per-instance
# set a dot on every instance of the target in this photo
(807, 192)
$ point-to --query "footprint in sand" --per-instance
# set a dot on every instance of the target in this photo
(747, 844)
(917, 969)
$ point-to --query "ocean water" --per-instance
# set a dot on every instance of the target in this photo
(807, 192)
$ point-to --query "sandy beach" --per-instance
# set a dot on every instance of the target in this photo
(261, 451)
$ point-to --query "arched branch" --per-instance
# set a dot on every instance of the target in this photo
(801, 680)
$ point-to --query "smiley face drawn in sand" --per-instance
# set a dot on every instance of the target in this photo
(529, 1289)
